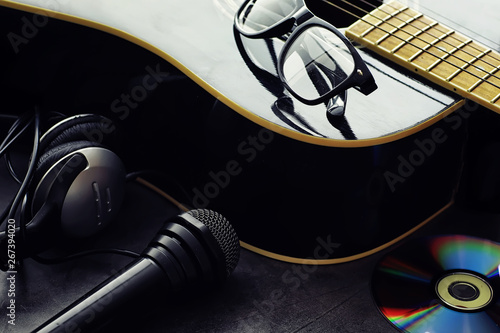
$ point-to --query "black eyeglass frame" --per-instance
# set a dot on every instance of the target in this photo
(297, 22)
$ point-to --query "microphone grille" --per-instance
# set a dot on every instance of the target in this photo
(223, 232)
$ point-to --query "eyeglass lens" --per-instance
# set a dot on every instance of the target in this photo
(262, 14)
(316, 62)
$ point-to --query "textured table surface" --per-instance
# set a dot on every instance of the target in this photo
(262, 295)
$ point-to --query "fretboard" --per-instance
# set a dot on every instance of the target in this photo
(432, 50)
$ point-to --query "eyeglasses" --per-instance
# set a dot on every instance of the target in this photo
(317, 61)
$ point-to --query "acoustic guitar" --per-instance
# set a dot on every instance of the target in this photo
(299, 183)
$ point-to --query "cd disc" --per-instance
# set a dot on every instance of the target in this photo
(441, 284)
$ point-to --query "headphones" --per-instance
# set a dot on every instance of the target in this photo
(77, 186)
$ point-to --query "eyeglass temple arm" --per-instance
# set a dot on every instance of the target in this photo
(367, 87)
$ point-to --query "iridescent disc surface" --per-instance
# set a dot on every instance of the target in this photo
(405, 283)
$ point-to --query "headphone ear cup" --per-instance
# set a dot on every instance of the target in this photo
(93, 128)
(95, 195)
(56, 153)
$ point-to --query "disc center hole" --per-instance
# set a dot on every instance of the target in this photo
(463, 291)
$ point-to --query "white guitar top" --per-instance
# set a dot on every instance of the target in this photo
(197, 37)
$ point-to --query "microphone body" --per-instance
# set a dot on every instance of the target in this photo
(113, 295)
(194, 250)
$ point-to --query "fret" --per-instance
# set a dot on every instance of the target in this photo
(459, 62)
(486, 76)
(496, 99)
(409, 39)
(475, 64)
(374, 26)
(432, 50)
(399, 27)
(456, 48)
(458, 71)
(487, 84)
(481, 67)
(428, 46)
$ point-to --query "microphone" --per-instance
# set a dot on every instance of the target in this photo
(196, 249)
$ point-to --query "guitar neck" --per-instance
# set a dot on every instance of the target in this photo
(432, 50)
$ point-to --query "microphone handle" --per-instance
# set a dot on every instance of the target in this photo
(183, 256)
(106, 300)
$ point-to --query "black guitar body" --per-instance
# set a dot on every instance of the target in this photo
(292, 198)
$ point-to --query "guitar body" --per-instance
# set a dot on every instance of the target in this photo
(298, 184)
(326, 204)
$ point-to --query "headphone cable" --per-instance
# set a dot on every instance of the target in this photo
(31, 168)
(9, 140)
(60, 260)
(26, 182)
(6, 143)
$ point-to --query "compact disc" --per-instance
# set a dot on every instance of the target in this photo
(440, 284)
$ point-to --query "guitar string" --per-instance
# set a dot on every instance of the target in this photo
(389, 4)
(461, 27)
(445, 40)
(415, 37)
(480, 79)
(467, 64)
(484, 53)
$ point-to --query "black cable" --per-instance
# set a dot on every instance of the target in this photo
(12, 128)
(9, 212)
(5, 212)
(10, 168)
(60, 260)
(27, 179)
(8, 141)
(31, 169)
(30, 173)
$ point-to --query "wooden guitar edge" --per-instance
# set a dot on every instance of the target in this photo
(328, 142)
(318, 262)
